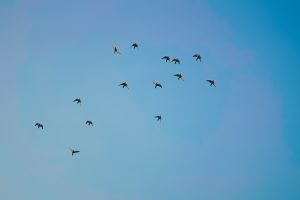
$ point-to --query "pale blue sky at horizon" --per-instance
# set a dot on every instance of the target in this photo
(238, 141)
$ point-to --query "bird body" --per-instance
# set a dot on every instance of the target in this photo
(197, 56)
(167, 58)
(212, 82)
(73, 151)
(176, 60)
(179, 76)
(77, 100)
(156, 84)
(158, 118)
(90, 123)
(135, 45)
(116, 50)
(39, 125)
(124, 84)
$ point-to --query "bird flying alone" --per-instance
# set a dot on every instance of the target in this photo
(212, 82)
(158, 118)
(73, 151)
(197, 56)
(39, 125)
(116, 50)
(124, 84)
(179, 76)
(156, 84)
(90, 123)
(176, 60)
(134, 45)
(77, 100)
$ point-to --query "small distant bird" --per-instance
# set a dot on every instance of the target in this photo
(212, 82)
(77, 100)
(39, 125)
(88, 122)
(135, 45)
(176, 60)
(167, 58)
(158, 118)
(116, 50)
(179, 76)
(124, 85)
(73, 151)
(197, 56)
(156, 84)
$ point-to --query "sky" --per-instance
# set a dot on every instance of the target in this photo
(237, 141)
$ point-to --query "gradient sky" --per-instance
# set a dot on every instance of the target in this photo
(238, 141)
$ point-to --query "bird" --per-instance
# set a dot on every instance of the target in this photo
(88, 122)
(156, 84)
(135, 45)
(197, 56)
(176, 60)
(212, 82)
(158, 118)
(39, 125)
(179, 76)
(116, 50)
(77, 100)
(124, 85)
(73, 151)
(167, 58)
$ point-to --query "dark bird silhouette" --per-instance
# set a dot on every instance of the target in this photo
(176, 60)
(135, 45)
(77, 100)
(116, 50)
(88, 122)
(167, 58)
(124, 85)
(197, 56)
(212, 82)
(39, 125)
(158, 118)
(156, 84)
(179, 76)
(73, 151)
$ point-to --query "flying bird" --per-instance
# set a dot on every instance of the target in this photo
(179, 76)
(197, 56)
(158, 118)
(77, 100)
(124, 85)
(135, 45)
(167, 58)
(73, 151)
(212, 82)
(176, 60)
(88, 122)
(39, 125)
(116, 50)
(156, 84)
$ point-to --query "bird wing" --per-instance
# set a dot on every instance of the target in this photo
(42, 126)
(36, 124)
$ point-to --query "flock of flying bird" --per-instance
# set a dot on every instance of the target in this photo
(156, 84)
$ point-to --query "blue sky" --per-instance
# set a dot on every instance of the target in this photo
(239, 140)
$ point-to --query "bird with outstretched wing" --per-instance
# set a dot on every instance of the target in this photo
(167, 58)
(197, 56)
(212, 82)
(179, 76)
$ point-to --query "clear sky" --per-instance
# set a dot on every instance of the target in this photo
(238, 141)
